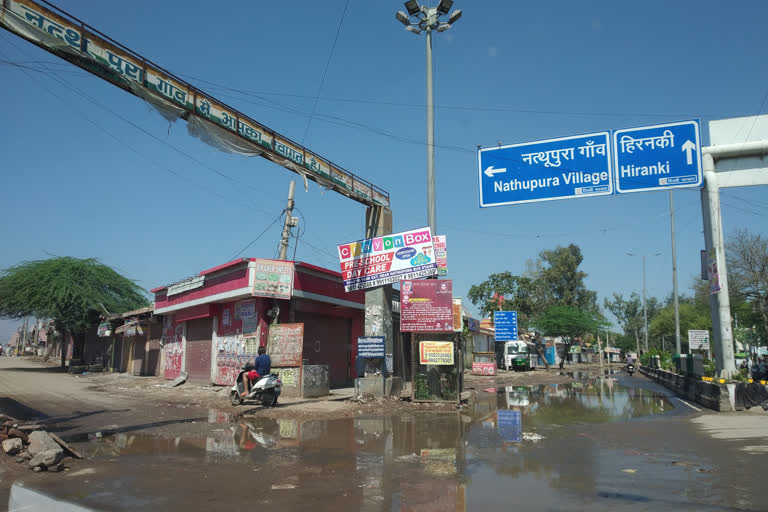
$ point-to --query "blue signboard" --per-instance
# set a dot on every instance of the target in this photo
(577, 166)
(657, 157)
(510, 425)
(370, 346)
(505, 323)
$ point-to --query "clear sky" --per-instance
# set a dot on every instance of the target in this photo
(80, 178)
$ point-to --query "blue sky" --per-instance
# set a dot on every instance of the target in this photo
(80, 179)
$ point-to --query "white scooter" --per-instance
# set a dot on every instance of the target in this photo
(266, 389)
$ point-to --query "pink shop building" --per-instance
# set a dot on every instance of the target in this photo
(215, 321)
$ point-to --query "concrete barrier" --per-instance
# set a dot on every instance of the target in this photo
(711, 395)
(315, 381)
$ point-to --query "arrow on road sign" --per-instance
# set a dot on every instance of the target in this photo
(490, 171)
(689, 147)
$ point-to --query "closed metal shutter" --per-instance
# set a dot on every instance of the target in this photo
(327, 342)
(198, 353)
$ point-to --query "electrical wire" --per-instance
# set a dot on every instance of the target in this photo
(125, 144)
(256, 239)
(51, 74)
(325, 71)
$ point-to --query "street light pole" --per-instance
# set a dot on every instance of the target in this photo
(431, 206)
(645, 304)
(645, 309)
(422, 18)
(674, 273)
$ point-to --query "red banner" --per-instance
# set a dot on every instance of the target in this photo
(426, 306)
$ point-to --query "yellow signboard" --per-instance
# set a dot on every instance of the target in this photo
(436, 352)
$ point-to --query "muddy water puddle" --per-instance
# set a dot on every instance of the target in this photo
(535, 444)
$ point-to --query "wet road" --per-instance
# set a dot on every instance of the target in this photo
(596, 444)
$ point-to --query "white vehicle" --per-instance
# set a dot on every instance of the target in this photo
(266, 389)
(520, 355)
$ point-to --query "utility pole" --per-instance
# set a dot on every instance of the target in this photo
(674, 275)
(290, 222)
(600, 358)
(645, 308)
(637, 342)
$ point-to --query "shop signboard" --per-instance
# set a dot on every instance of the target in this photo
(387, 259)
(483, 368)
(273, 278)
(436, 352)
(426, 305)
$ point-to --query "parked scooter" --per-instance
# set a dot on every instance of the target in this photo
(266, 389)
(630, 369)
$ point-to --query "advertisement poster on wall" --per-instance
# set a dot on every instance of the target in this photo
(286, 344)
(273, 279)
(426, 306)
(436, 352)
(388, 259)
(441, 254)
(458, 315)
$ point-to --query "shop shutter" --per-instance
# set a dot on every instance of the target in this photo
(198, 353)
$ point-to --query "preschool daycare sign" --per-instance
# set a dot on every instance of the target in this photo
(387, 259)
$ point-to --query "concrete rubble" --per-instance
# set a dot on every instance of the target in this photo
(30, 444)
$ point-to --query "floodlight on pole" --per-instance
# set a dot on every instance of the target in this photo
(413, 7)
(444, 6)
(427, 19)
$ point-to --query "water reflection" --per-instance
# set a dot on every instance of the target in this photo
(517, 439)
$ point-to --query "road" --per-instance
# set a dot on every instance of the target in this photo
(595, 444)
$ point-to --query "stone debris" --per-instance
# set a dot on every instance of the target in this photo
(37, 448)
(13, 446)
(40, 441)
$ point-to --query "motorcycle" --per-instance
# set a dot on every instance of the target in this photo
(266, 389)
(630, 369)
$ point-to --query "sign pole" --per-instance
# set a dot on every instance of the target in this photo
(378, 301)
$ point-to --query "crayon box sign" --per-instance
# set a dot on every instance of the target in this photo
(388, 259)
(426, 305)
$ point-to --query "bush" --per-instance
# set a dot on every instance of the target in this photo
(709, 368)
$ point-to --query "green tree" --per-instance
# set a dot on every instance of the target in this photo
(747, 264)
(553, 279)
(568, 322)
(560, 280)
(629, 315)
(73, 292)
(663, 324)
(505, 292)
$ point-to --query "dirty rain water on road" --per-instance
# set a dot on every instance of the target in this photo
(585, 445)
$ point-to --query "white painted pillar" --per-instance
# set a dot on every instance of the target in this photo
(715, 246)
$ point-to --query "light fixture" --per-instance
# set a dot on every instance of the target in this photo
(444, 6)
(412, 6)
(402, 18)
(411, 28)
(443, 27)
(455, 15)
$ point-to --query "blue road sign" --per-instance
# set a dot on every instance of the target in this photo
(562, 168)
(510, 425)
(657, 157)
(505, 323)
(370, 346)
